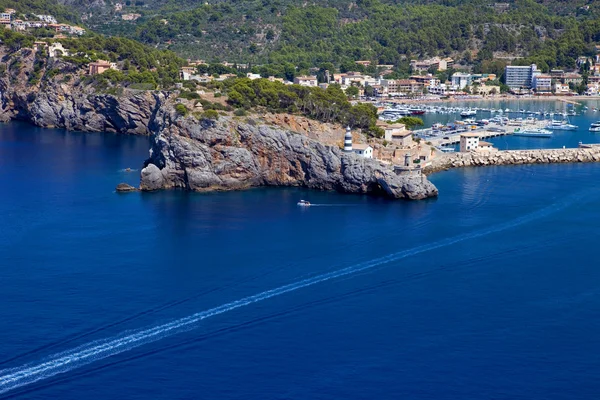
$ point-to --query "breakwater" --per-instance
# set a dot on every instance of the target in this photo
(514, 157)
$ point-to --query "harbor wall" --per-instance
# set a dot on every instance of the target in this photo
(513, 157)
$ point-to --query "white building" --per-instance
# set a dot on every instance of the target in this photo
(518, 77)
(252, 76)
(47, 18)
(561, 88)
(462, 80)
(306, 81)
(363, 150)
(469, 142)
(542, 83)
(484, 147)
(442, 89)
(591, 90)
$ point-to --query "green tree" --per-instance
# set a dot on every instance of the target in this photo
(352, 92)
(410, 122)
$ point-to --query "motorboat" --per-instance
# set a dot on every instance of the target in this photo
(468, 113)
(304, 203)
(595, 127)
(564, 125)
(416, 111)
(532, 132)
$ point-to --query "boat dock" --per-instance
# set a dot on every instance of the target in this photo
(441, 138)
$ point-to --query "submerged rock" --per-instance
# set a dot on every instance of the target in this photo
(124, 187)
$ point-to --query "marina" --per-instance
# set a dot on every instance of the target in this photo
(496, 121)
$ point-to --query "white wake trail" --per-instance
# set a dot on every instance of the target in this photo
(11, 379)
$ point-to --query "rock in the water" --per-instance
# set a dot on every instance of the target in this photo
(152, 178)
(124, 187)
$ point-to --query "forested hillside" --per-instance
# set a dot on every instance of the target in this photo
(323, 32)
(552, 32)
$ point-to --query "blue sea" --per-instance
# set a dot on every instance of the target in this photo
(491, 291)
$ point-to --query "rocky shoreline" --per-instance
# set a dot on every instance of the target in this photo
(238, 153)
(514, 157)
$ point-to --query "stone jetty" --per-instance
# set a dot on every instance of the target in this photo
(585, 154)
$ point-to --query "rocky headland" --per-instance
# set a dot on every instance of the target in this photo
(190, 152)
(238, 153)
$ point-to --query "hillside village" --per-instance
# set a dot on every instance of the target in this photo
(9, 19)
(426, 79)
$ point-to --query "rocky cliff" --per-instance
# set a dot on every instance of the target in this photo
(188, 153)
(62, 99)
(239, 153)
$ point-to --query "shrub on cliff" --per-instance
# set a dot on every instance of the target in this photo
(329, 105)
(182, 110)
(210, 114)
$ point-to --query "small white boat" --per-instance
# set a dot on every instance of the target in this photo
(561, 126)
(595, 127)
(468, 113)
(304, 203)
(532, 132)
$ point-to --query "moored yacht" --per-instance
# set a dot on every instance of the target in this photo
(468, 113)
(595, 127)
(532, 132)
(564, 125)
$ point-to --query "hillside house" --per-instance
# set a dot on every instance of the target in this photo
(435, 63)
(100, 66)
(306, 81)
(130, 17)
(49, 19)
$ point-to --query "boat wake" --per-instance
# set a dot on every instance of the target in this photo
(332, 205)
(63, 362)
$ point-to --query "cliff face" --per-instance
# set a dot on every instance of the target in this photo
(186, 153)
(64, 101)
(236, 154)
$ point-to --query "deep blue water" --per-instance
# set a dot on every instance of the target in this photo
(499, 299)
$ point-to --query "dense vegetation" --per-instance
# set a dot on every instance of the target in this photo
(330, 105)
(279, 32)
(139, 64)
